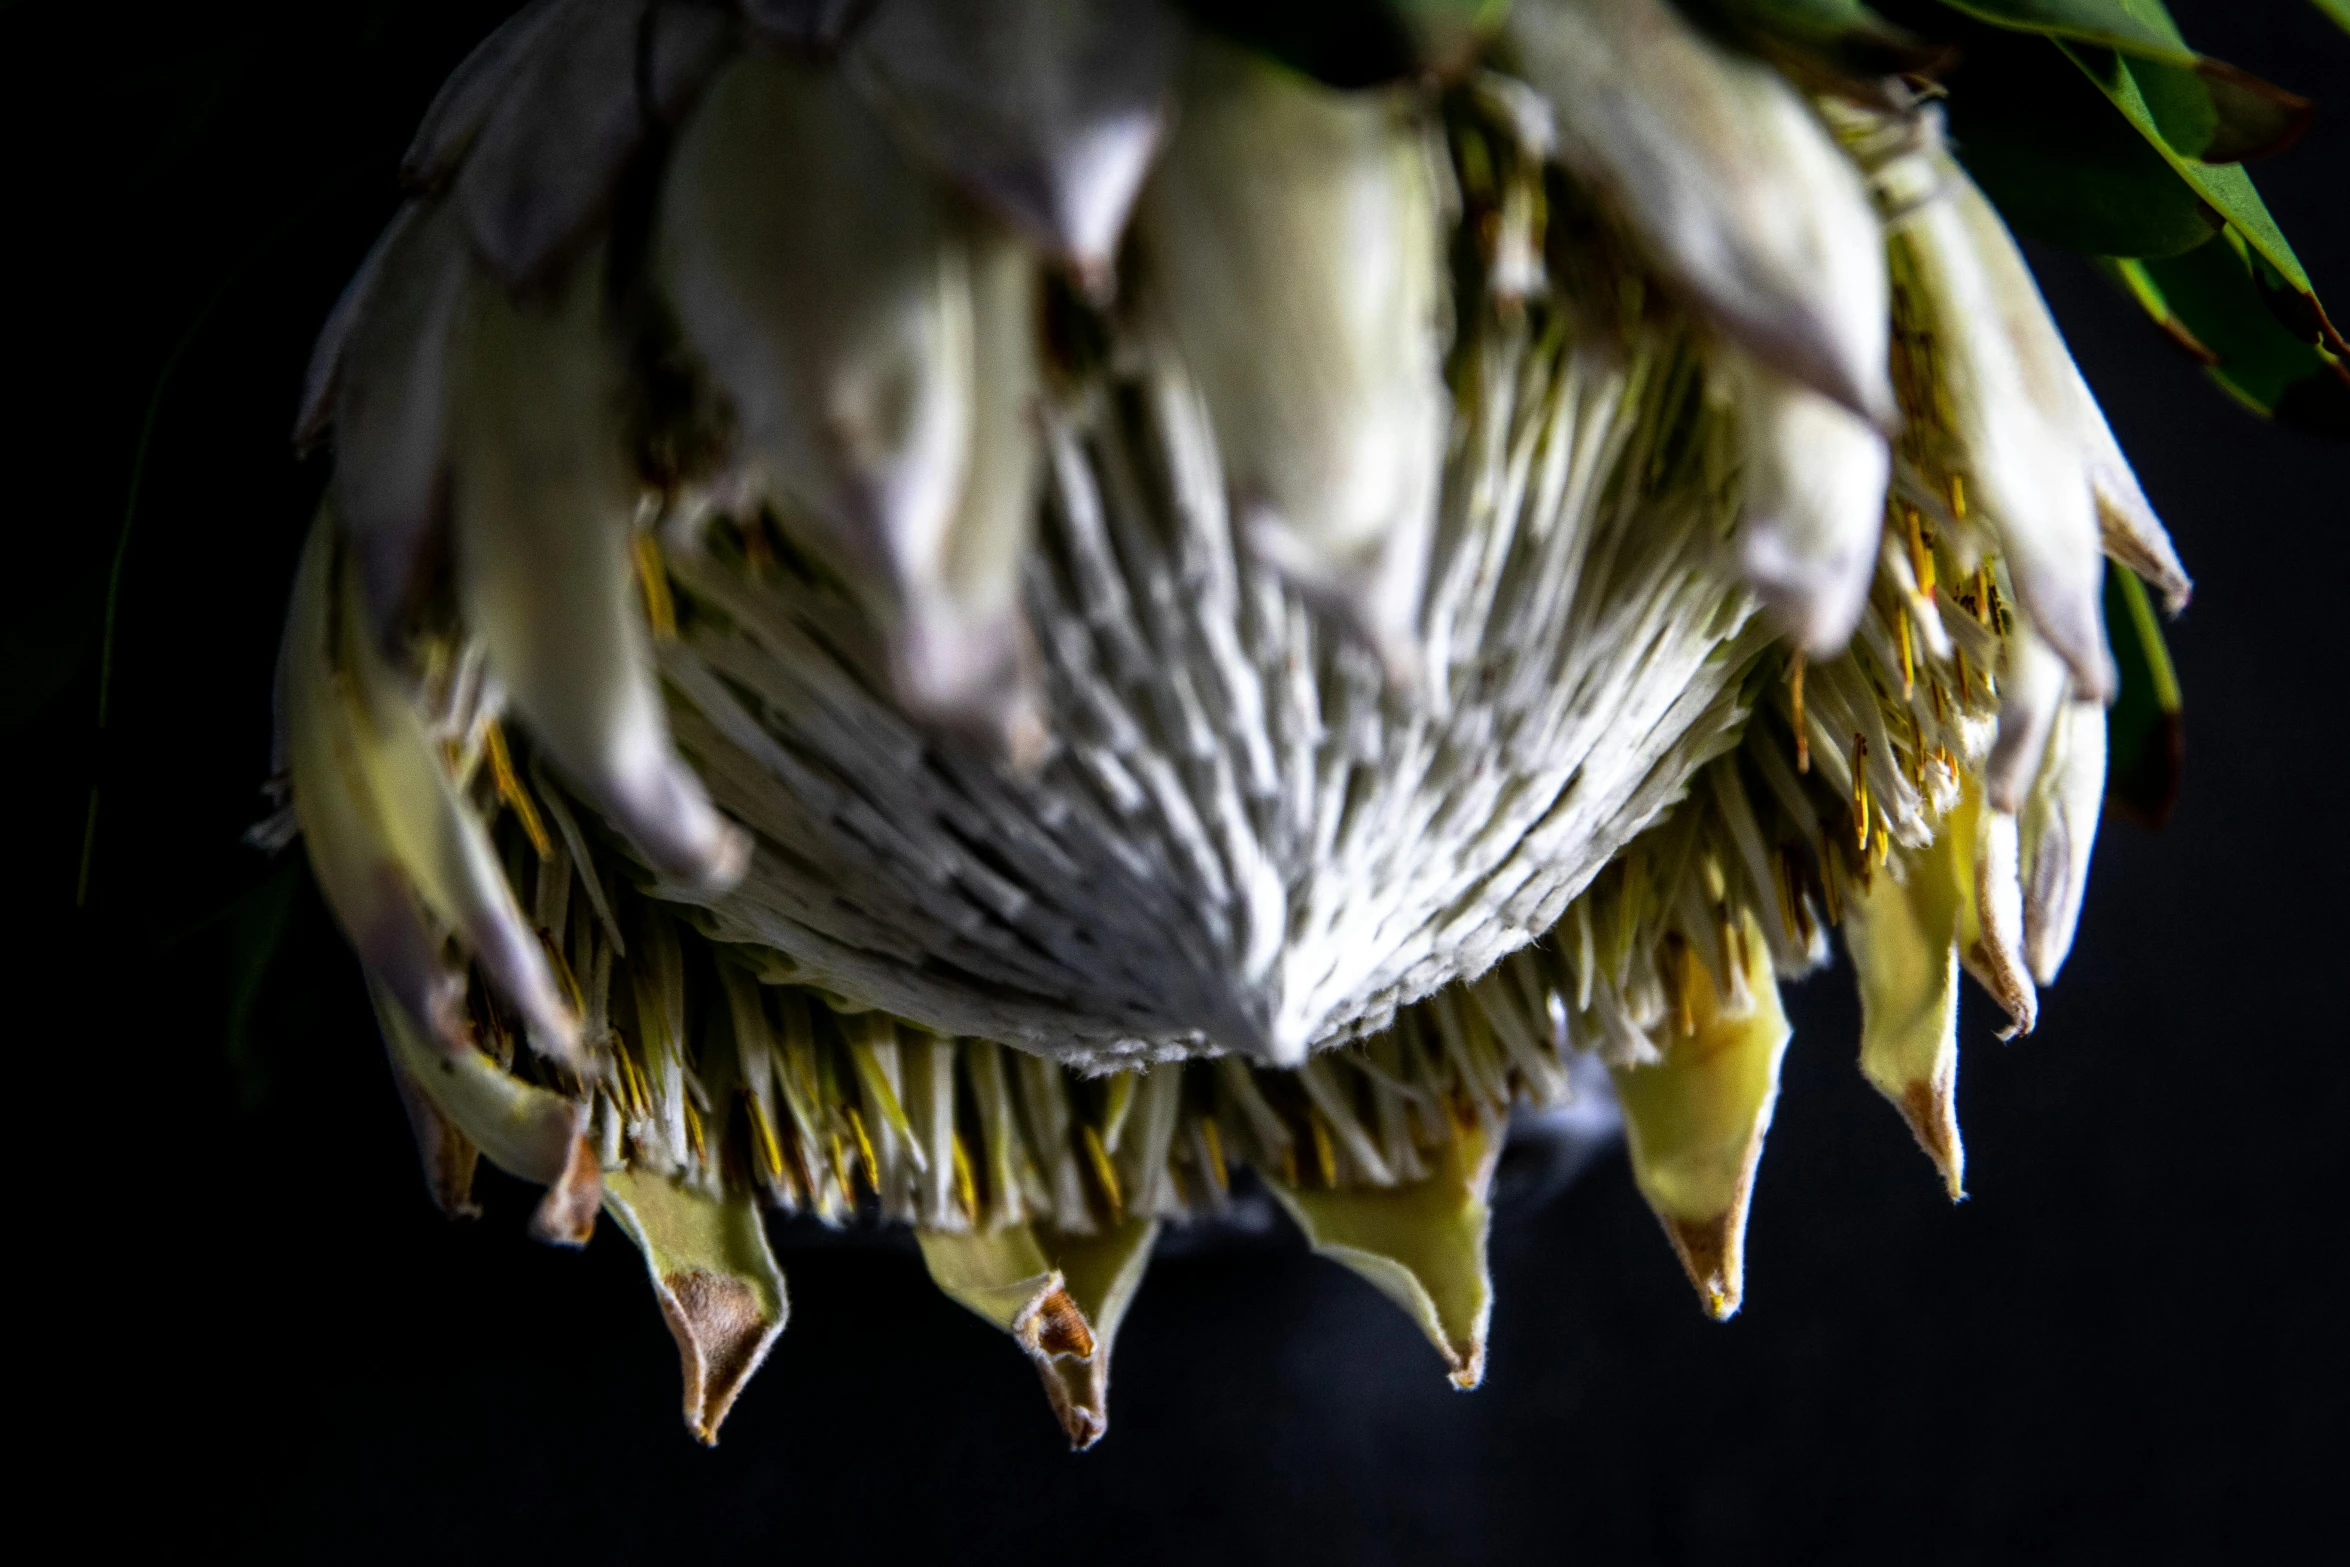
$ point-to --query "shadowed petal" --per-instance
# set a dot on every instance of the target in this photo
(473, 92)
(858, 353)
(1048, 110)
(568, 121)
(443, 847)
(543, 504)
(357, 869)
(391, 404)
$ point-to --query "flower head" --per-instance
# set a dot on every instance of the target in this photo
(982, 617)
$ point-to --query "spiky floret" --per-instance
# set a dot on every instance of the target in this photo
(943, 623)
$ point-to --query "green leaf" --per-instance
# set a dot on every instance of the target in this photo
(2204, 108)
(2060, 164)
(2145, 733)
(1842, 38)
(720, 1290)
(2339, 10)
(2219, 303)
(2115, 24)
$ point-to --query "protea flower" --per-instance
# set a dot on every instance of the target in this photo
(981, 617)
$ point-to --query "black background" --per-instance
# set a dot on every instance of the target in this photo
(240, 1315)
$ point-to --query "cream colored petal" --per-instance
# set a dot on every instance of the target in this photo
(813, 25)
(2014, 402)
(544, 502)
(1814, 508)
(447, 1157)
(390, 400)
(1421, 1244)
(442, 845)
(2058, 832)
(1060, 1296)
(526, 1131)
(720, 1290)
(1991, 927)
(357, 868)
(1293, 240)
(964, 655)
(566, 122)
(2032, 691)
(473, 92)
(1695, 1122)
(1734, 184)
(1047, 110)
(847, 348)
(1902, 932)
(2132, 534)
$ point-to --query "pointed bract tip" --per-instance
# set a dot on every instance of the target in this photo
(723, 1333)
(1711, 1252)
(566, 1215)
(1931, 1110)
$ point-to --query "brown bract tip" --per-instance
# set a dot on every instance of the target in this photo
(1710, 1251)
(722, 1335)
(566, 1216)
(1932, 1114)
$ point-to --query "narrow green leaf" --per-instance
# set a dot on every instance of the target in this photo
(2145, 729)
(2113, 24)
(2060, 164)
(2339, 10)
(1839, 37)
(2205, 108)
(2216, 302)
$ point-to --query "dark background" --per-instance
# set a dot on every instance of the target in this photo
(243, 1316)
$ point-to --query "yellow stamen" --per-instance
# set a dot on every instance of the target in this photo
(1983, 609)
(1958, 497)
(966, 1189)
(1795, 704)
(1214, 1141)
(1103, 1173)
(1325, 1152)
(758, 554)
(510, 789)
(1684, 964)
(763, 1141)
(838, 1147)
(1781, 879)
(1909, 676)
(693, 1133)
(653, 577)
(1860, 793)
(1921, 558)
(865, 1158)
